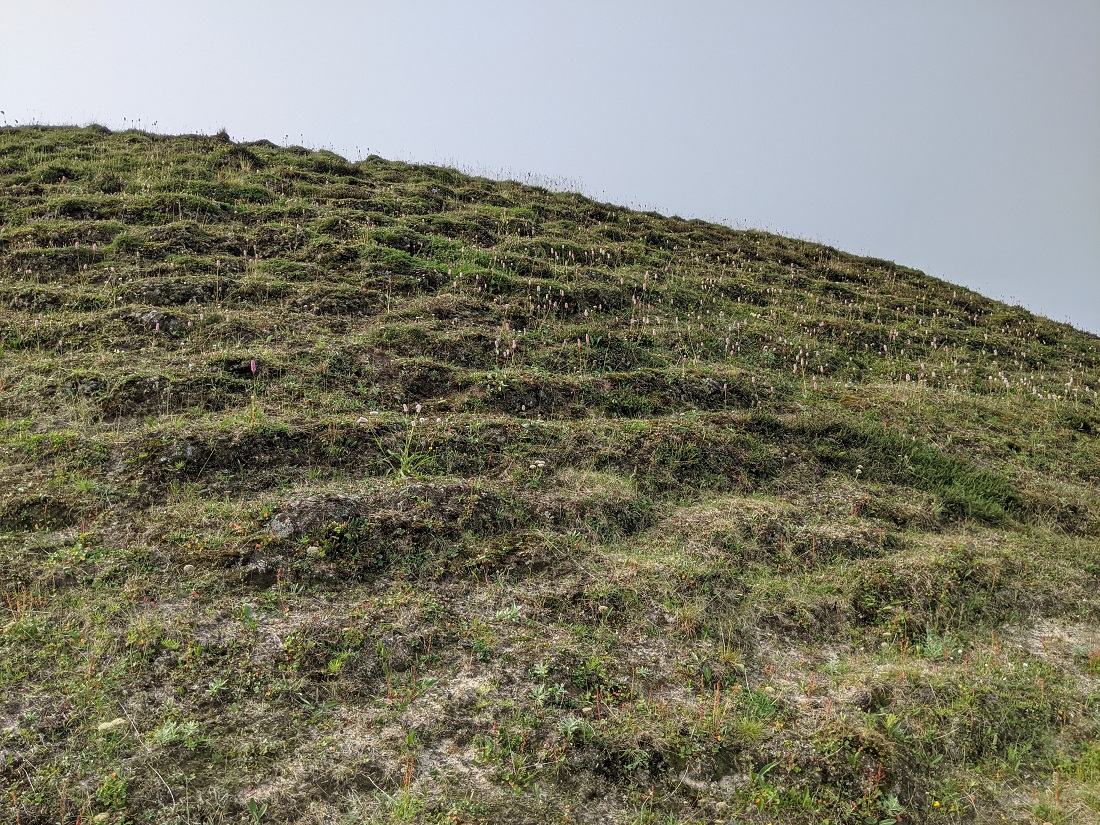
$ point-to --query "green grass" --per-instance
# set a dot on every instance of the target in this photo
(374, 492)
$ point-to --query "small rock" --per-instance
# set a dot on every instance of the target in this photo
(281, 527)
(188, 568)
(112, 725)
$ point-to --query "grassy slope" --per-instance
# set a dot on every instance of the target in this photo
(692, 524)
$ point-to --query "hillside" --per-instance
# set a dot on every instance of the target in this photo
(374, 492)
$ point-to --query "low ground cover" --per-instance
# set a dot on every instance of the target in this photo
(375, 492)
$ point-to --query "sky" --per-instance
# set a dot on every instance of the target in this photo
(959, 137)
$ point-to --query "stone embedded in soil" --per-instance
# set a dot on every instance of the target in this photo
(307, 514)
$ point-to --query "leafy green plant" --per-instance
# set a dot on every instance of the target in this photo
(187, 734)
(111, 792)
(405, 461)
(256, 811)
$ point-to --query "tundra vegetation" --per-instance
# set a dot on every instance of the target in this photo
(374, 492)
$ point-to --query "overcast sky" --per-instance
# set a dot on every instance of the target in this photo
(960, 138)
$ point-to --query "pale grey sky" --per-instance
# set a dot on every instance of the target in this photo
(959, 137)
